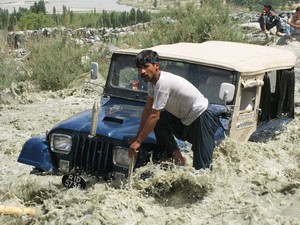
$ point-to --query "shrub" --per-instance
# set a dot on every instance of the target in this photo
(50, 62)
(55, 62)
(194, 23)
(10, 70)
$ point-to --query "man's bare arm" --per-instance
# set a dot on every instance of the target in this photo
(148, 122)
(292, 24)
(146, 113)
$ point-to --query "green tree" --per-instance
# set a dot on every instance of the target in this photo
(132, 16)
(71, 17)
(106, 19)
(124, 19)
(42, 7)
(38, 7)
(139, 16)
(65, 16)
(114, 20)
(33, 21)
(4, 15)
(12, 20)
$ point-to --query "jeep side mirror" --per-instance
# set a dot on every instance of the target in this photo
(94, 71)
(226, 92)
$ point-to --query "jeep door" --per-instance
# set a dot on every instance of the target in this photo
(246, 107)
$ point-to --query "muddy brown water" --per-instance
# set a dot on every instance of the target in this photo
(251, 183)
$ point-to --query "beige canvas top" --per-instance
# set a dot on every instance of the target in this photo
(245, 58)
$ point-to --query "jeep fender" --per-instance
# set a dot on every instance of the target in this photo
(36, 152)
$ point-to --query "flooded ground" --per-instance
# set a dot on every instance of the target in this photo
(251, 183)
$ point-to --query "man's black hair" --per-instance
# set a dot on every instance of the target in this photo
(146, 56)
(268, 6)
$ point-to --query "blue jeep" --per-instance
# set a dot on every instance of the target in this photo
(252, 94)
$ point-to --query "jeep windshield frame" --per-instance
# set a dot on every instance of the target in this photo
(123, 80)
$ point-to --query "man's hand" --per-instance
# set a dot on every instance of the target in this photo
(133, 149)
(273, 14)
(134, 146)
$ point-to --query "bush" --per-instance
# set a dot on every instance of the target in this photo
(10, 71)
(56, 62)
(51, 62)
(194, 23)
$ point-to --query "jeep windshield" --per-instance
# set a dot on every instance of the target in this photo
(125, 82)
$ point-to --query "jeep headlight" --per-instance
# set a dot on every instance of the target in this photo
(61, 143)
(121, 157)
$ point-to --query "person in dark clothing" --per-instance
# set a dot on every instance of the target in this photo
(268, 19)
(171, 110)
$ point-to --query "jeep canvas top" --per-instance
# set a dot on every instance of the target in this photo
(250, 87)
(248, 59)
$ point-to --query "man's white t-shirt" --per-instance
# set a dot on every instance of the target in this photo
(178, 96)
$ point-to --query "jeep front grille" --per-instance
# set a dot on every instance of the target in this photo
(92, 156)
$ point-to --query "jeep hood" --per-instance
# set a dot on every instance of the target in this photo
(116, 119)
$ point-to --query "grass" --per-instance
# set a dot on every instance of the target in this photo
(52, 63)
